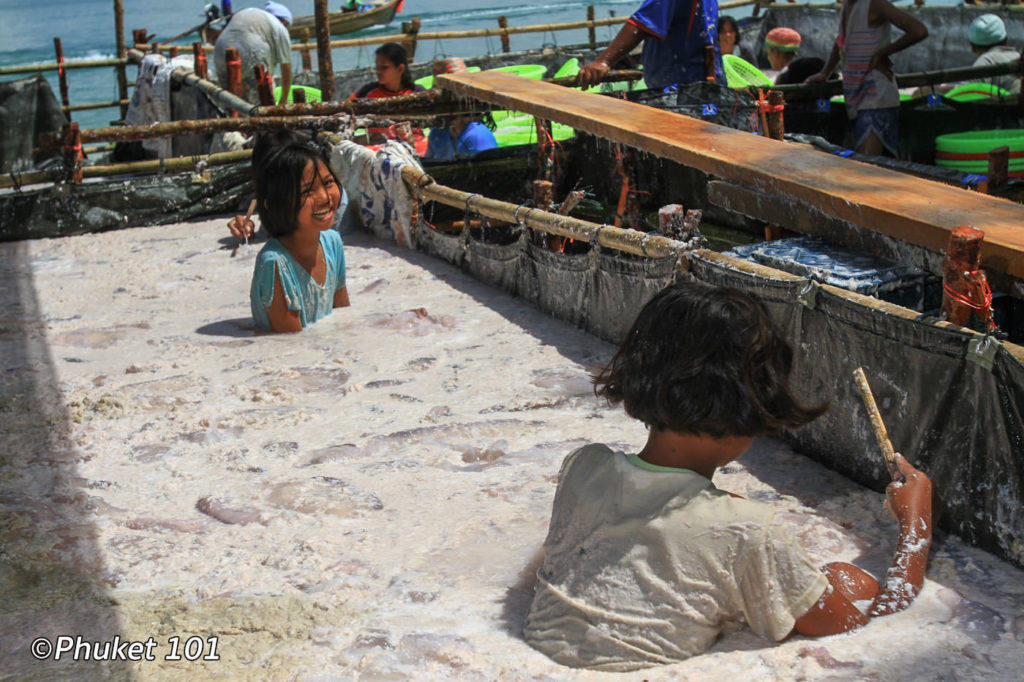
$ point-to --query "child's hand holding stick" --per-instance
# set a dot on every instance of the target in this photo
(876, 421)
(242, 228)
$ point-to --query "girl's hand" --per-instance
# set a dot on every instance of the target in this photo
(910, 500)
(241, 227)
(882, 64)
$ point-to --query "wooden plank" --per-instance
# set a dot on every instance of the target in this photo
(902, 206)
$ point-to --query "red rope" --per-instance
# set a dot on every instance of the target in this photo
(964, 300)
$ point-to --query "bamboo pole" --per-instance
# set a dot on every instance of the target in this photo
(61, 73)
(122, 74)
(218, 94)
(323, 50)
(630, 241)
(205, 126)
(55, 66)
(877, 424)
(139, 167)
(123, 103)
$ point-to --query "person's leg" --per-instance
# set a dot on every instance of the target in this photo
(877, 131)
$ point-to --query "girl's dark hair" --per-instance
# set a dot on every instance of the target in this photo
(396, 54)
(279, 160)
(726, 19)
(705, 360)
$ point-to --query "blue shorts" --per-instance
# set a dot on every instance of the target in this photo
(884, 123)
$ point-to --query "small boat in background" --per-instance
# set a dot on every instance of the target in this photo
(349, 21)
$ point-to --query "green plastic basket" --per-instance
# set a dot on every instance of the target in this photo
(427, 82)
(570, 68)
(972, 91)
(512, 135)
(532, 71)
(980, 141)
(312, 94)
(739, 73)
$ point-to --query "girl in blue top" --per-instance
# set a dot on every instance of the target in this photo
(299, 276)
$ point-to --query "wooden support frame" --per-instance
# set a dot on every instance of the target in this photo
(920, 211)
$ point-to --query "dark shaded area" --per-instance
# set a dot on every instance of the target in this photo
(113, 203)
(952, 402)
(28, 108)
(52, 573)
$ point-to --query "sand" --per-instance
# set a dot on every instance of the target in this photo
(362, 500)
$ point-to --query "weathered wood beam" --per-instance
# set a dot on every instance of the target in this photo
(899, 205)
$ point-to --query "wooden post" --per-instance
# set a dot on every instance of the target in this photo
(72, 140)
(325, 64)
(174, 51)
(139, 36)
(710, 73)
(298, 95)
(776, 105)
(410, 29)
(122, 74)
(772, 232)
(503, 23)
(671, 221)
(266, 94)
(998, 169)
(592, 31)
(307, 60)
(62, 75)
(545, 152)
(234, 63)
(155, 47)
(965, 290)
(201, 66)
(543, 194)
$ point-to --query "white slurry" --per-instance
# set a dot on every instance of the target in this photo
(364, 499)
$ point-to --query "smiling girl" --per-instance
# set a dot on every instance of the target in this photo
(299, 275)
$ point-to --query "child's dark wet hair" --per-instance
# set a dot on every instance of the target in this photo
(396, 54)
(279, 160)
(705, 360)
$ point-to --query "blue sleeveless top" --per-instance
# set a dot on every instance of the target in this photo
(301, 292)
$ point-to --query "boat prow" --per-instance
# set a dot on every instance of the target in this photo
(348, 22)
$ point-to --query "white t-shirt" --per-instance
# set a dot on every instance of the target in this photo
(645, 567)
(260, 38)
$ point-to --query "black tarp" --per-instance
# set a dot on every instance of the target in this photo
(28, 108)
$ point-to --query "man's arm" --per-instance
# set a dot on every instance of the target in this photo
(911, 502)
(830, 65)
(628, 37)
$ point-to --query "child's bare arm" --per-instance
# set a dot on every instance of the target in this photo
(281, 318)
(830, 65)
(913, 32)
(341, 297)
(910, 502)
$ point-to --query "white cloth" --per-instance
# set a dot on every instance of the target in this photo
(373, 181)
(648, 567)
(260, 38)
(151, 101)
(1000, 54)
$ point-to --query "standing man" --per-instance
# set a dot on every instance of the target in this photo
(261, 37)
(674, 33)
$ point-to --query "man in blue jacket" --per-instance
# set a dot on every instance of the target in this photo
(674, 33)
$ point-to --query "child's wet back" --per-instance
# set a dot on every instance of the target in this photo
(646, 561)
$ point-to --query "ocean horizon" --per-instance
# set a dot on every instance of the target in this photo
(86, 30)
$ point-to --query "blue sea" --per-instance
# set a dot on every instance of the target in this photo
(86, 30)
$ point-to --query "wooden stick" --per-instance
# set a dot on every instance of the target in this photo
(876, 421)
